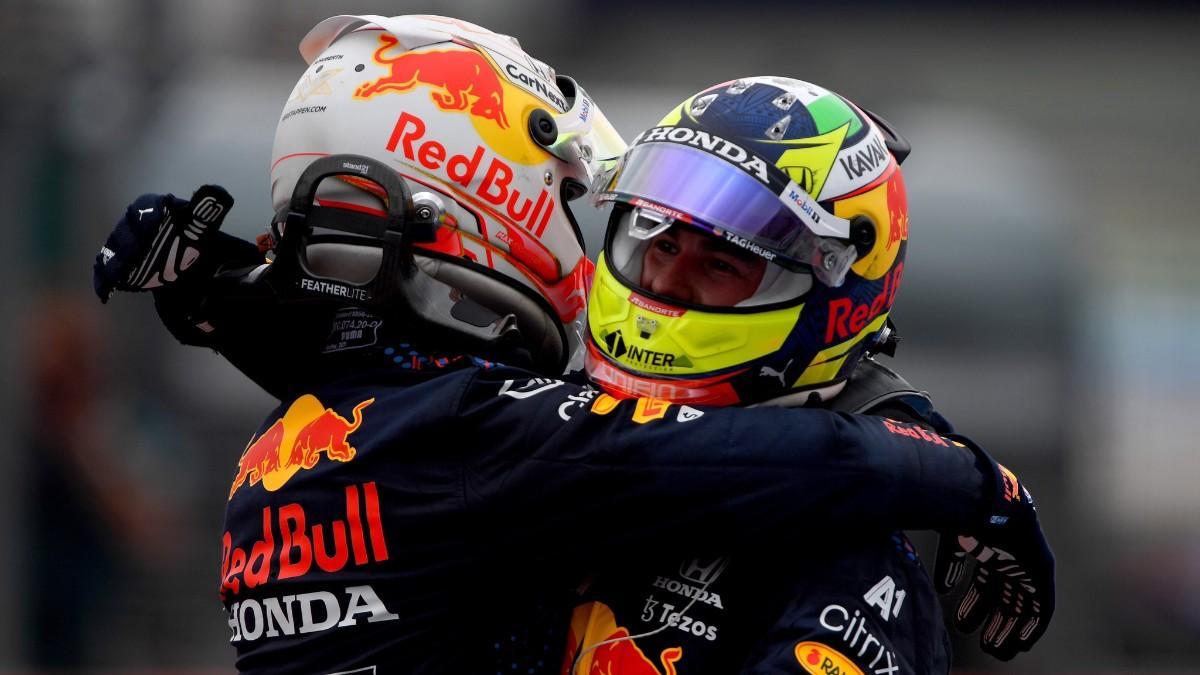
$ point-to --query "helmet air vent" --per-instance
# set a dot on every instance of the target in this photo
(738, 87)
(701, 104)
(777, 130)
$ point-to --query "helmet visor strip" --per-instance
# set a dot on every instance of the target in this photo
(788, 228)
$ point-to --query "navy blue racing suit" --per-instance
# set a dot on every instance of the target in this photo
(405, 521)
(435, 514)
(817, 600)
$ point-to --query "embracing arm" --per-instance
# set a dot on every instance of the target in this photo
(728, 475)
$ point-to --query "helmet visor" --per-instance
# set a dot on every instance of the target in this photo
(690, 185)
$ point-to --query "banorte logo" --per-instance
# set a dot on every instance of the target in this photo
(297, 441)
(461, 79)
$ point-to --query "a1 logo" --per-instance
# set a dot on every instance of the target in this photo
(885, 596)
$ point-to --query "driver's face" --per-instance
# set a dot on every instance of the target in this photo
(698, 268)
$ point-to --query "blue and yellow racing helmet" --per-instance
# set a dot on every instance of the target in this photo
(782, 170)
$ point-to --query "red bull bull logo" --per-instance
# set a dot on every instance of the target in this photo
(297, 441)
(897, 203)
(623, 656)
(461, 79)
(608, 648)
(1012, 489)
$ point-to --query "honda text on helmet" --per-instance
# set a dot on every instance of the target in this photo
(426, 163)
(754, 250)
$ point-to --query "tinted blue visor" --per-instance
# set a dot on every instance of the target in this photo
(687, 184)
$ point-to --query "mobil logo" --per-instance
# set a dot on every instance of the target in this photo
(298, 440)
(460, 79)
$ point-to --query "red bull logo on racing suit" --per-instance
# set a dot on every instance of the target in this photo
(622, 655)
(609, 648)
(297, 441)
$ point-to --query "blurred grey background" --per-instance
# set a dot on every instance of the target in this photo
(1050, 301)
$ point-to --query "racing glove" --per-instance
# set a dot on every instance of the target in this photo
(206, 286)
(159, 239)
(1011, 591)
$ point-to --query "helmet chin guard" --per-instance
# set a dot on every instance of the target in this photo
(392, 233)
(322, 251)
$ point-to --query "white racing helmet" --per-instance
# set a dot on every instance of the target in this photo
(490, 146)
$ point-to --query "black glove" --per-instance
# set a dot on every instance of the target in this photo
(159, 239)
(1012, 590)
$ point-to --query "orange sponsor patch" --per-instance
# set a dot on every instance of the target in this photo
(650, 409)
(822, 659)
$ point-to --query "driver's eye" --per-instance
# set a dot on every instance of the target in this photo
(723, 267)
(666, 246)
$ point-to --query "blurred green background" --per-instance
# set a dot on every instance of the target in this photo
(1050, 300)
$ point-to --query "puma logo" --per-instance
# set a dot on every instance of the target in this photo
(767, 370)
